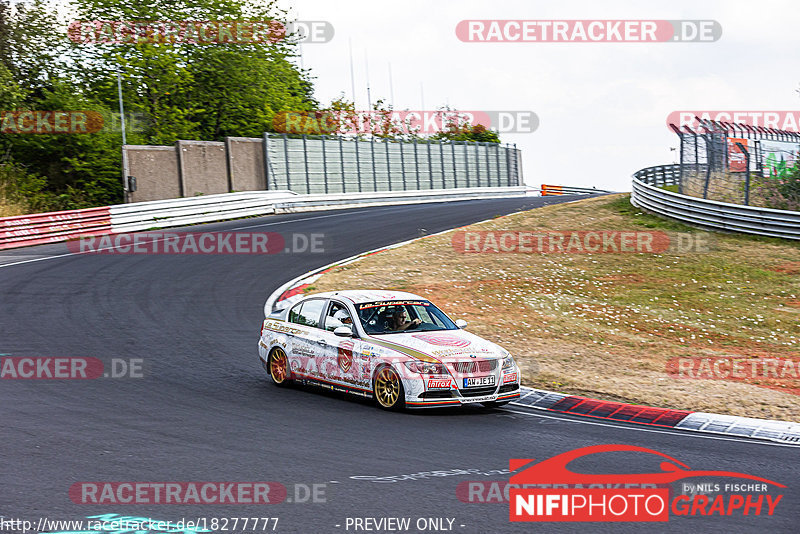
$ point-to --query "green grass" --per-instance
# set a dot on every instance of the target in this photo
(622, 205)
(636, 216)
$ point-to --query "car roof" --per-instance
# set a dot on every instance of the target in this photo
(359, 296)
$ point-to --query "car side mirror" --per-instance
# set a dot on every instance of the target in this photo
(343, 331)
(461, 323)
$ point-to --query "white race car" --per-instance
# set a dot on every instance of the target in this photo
(395, 347)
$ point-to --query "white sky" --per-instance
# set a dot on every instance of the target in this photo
(602, 106)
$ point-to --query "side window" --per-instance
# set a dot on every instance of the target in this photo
(294, 314)
(307, 313)
(337, 316)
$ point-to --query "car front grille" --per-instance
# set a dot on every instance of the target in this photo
(444, 394)
(478, 392)
(475, 366)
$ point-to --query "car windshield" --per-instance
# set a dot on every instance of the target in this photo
(393, 316)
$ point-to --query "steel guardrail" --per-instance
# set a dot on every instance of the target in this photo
(366, 199)
(42, 228)
(704, 213)
(139, 216)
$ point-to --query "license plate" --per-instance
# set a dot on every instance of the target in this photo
(479, 381)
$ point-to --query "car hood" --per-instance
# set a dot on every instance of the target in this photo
(443, 345)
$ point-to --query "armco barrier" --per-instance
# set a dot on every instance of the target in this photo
(709, 213)
(41, 228)
(349, 200)
(184, 211)
(49, 227)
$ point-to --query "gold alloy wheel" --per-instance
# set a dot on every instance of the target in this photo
(278, 366)
(387, 388)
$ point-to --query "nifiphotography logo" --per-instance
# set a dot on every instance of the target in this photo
(549, 491)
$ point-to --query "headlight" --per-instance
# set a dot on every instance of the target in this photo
(508, 362)
(426, 368)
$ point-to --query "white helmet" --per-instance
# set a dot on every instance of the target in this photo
(343, 317)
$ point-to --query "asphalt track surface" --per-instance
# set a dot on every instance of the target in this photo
(205, 411)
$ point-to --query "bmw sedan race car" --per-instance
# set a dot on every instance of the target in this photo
(395, 347)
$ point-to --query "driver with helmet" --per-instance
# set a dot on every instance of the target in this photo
(343, 317)
(398, 320)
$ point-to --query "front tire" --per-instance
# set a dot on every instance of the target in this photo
(278, 367)
(387, 389)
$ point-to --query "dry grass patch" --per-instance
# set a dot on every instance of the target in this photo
(605, 325)
(10, 209)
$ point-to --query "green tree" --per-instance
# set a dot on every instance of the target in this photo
(193, 91)
(459, 129)
(11, 94)
(31, 45)
(82, 170)
(181, 91)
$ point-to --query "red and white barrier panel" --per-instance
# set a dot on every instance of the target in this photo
(41, 228)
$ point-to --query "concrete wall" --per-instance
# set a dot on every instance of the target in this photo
(246, 163)
(156, 172)
(204, 168)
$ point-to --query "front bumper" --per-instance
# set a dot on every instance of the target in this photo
(457, 397)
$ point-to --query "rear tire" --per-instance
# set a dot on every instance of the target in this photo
(387, 389)
(278, 367)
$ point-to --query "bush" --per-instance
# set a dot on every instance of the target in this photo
(790, 186)
(22, 192)
(776, 192)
